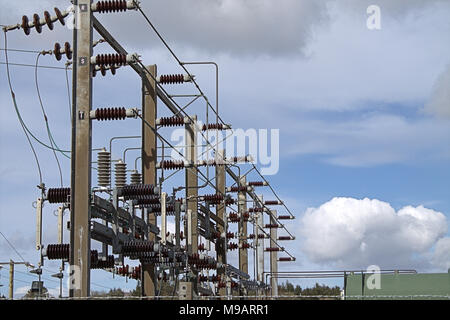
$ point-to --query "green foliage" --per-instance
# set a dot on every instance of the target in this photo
(288, 289)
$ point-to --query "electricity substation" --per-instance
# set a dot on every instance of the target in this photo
(128, 208)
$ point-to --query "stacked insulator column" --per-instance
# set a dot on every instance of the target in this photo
(238, 189)
(171, 121)
(274, 249)
(135, 248)
(171, 165)
(104, 168)
(135, 178)
(257, 184)
(260, 236)
(217, 199)
(286, 259)
(114, 59)
(232, 246)
(286, 238)
(273, 203)
(104, 114)
(120, 174)
(113, 6)
(271, 226)
(173, 78)
(215, 126)
(62, 252)
(285, 218)
(58, 195)
(138, 191)
(58, 251)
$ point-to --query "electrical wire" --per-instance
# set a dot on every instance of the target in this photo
(68, 92)
(50, 137)
(11, 245)
(17, 111)
(32, 66)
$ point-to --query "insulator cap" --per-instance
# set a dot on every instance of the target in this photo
(48, 20)
(36, 23)
(25, 26)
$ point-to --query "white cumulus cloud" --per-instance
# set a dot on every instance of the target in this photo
(353, 233)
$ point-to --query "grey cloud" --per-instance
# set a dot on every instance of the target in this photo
(439, 103)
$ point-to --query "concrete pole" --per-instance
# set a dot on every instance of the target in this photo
(192, 182)
(11, 279)
(273, 255)
(242, 208)
(191, 190)
(149, 159)
(221, 244)
(81, 151)
(163, 218)
(260, 249)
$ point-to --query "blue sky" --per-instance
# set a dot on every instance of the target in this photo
(362, 114)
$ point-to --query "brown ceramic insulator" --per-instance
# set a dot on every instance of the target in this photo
(284, 217)
(284, 238)
(271, 226)
(113, 70)
(135, 248)
(25, 26)
(103, 70)
(285, 259)
(104, 114)
(48, 20)
(115, 59)
(171, 79)
(57, 51)
(256, 184)
(58, 251)
(171, 121)
(232, 246)
(252, 236)
(148, 201)
(104, 264)
(256, 210)
(68, 50)
(94, 257)
(271, 203)
(171, 165)
(60, 16)
(213, 126)
(37, 25)
(111, 6)
(245, 245)
(230, 235)
(58, 195)
(272, 249)
(238, 189)
(213, 197)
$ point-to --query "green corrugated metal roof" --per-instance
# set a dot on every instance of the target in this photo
(400, 286)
